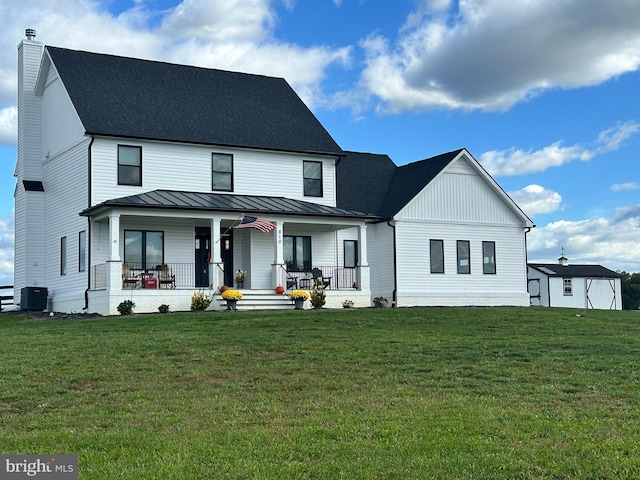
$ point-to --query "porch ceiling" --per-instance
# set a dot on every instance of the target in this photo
(180, 200)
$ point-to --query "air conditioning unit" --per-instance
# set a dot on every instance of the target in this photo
(33, 298)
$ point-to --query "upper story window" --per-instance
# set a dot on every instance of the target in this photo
(312, 173)
(222, 172)
(129, 165)
(488, 257)
(464, 256)
(436, 254)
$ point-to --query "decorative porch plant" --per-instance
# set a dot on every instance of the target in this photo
(299, 297)
(318, 297)
(232, 296)
(240, 276)
(199, 301)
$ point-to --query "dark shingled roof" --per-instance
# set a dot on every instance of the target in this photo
(596, 271)
(374, 184)
(128, 97)
(172, 199)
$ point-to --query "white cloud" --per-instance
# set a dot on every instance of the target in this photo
(612, 243)
(514, 161)
(492, 54)
(619, 187)
(534, 199)
(8, 125)
(6, 251)
(227, 34)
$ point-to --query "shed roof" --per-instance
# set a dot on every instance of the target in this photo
(595, 271)
(134, 98)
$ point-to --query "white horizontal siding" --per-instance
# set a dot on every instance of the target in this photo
(381, 258)
(66, 191)
(415, 279)
(188, 167)
(61, 126)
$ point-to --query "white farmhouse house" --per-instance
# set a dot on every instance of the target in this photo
(574, 286)
(132, 176)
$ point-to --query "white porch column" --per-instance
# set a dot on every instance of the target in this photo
(216, 269)
(365, 278)
(114, 264)
(114, 237)
(279, 274)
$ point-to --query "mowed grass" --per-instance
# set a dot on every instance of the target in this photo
(460, 393)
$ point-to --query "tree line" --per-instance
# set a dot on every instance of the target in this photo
(630, 290)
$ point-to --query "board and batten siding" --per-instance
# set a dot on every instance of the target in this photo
(186, 167)
(66, 192)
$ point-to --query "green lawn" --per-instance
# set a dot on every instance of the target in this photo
(465, 393)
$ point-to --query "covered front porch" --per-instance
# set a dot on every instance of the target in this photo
(156, 256)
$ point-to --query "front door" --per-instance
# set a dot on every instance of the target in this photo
(202, 256)
(226, 253)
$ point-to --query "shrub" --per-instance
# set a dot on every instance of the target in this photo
(379, 302)
(199, 301)
(347, 304)
(126, 307)
(164, 308)
(318, 298)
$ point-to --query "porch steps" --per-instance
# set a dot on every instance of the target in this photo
(259, 300)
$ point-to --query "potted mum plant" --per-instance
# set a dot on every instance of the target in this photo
(299, 296)
(232, 297)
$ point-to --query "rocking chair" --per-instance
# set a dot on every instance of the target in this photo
(129, 280)
(165, 277)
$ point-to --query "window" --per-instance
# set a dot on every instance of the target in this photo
(63, 256)
(488, 257)
(222, 172)
(312, 179)
(350, 248)
(464, 260)
(143, 249)
(436, 253)
(297, 253)
(129, 165)
(568, 290)
(82, 263)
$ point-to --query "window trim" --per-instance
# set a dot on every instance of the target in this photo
(82, 252)
(139, 167)
(355, 253)
(462, 269)
(305, 179)
(485, 270)
(440, 242)
(63, 256)
(230, 173)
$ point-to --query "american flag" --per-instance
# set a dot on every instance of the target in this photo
(261, 224)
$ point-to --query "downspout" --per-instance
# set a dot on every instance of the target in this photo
(526, 263)
(394, 300)
(88, 265)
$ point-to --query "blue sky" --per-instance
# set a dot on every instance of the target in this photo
(544, 94)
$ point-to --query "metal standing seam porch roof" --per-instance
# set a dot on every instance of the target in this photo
(216, 202)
